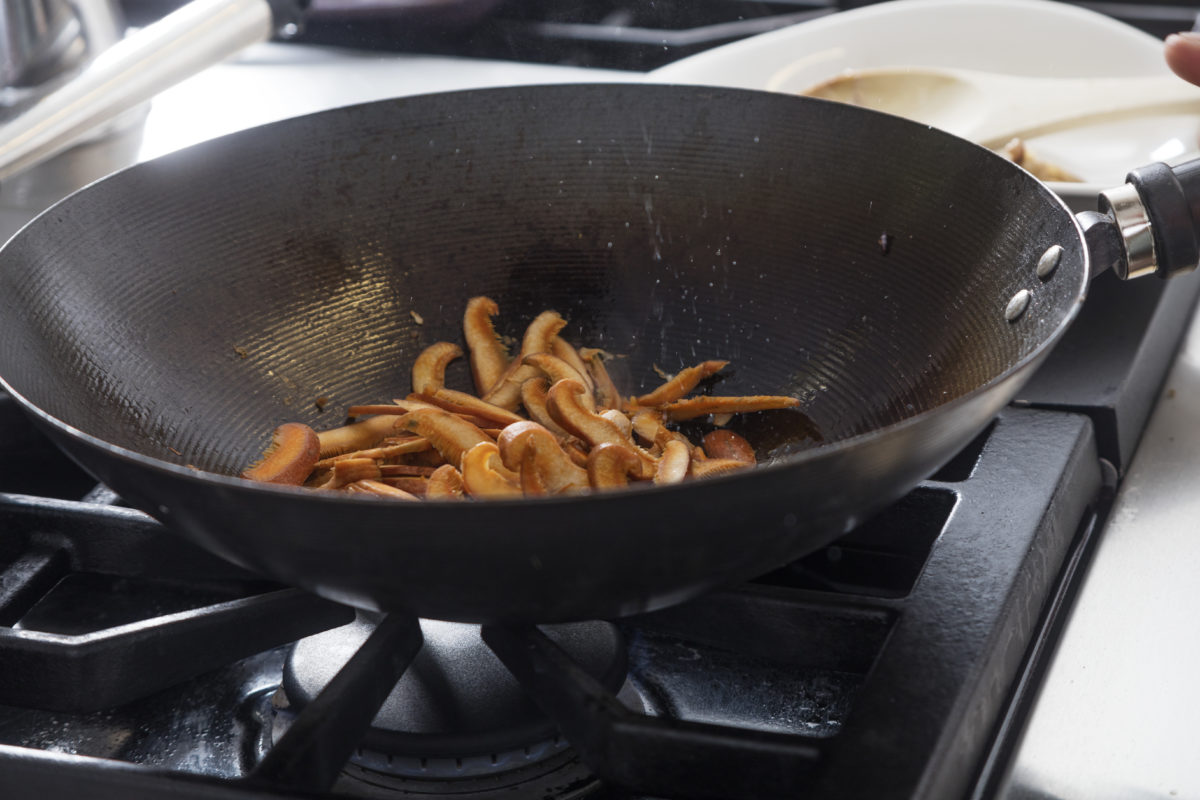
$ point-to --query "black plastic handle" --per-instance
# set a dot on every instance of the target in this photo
(1171, 196)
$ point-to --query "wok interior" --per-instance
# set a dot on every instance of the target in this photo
(184, 308)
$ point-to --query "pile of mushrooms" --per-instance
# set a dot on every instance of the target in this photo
(577, 433)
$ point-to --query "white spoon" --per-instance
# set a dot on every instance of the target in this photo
(992, 108)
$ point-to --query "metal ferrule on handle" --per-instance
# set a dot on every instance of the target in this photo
(1157, 213)
(197, 36)
(1124, 206)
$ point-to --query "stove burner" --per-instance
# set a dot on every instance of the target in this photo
(456, 714)
(560, 776)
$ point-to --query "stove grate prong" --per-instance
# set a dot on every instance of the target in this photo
(317, 745)
(664, 757)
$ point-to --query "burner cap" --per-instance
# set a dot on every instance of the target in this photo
(457, 711)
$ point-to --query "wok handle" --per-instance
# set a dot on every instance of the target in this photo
(1157, 216)
(198, 35)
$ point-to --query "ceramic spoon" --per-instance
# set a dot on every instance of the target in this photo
(992, 108)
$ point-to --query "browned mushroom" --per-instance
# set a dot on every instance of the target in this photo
(410, 444)
(563, 349)
(356, 435)
(709, 467)
(484, 475)
(406, 470)
(580, 432)
(544, 467)
(489, 358)
(673, 466)
(683, 382)
(563, 401)
(463, 403)
(429, 369)
(450, 435)
(414, 485)
(533, 398)
(727, 444)
(647, 425)
(611, 466)
(619, 419)
(289, 458)
(556, 369)
(445, 484)
(346, 472)
(693, 407)
(605, 390)
(379, 489)
(538, 339)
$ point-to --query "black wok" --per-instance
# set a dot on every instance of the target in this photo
(160, 323)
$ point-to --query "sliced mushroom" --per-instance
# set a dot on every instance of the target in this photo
(410, 444)
(575, 451)
(604, 389)
(415, 401)
(563, 349)
(396, 408)
(533, 397)
(429, 370)
(683, 382)
(450, 435)
(673, 466)
(346, 472)
(356, 435)
(414, 485)
(289, 458)
(463, 403)
(556, 369)
(717, 466)
(489, 358)
(619, 419)
(693, 407)
(379, 489)
(538, 339)
(544, 467)
(445, 484)
(612, 466)
(484, 474)
(727, 444)
(647, 425)
(406, 471)
(564, 402)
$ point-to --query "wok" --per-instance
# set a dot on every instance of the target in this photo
(161, 322)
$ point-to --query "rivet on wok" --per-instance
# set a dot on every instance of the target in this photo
(1049, 261)
(1017, 305)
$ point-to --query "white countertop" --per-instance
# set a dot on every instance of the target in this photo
(1114, 717)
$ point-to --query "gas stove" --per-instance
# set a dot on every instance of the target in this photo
(131, 660)
(905, 660)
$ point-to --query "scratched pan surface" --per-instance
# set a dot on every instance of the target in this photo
(159, 324)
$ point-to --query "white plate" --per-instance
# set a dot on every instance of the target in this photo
(1020, 37)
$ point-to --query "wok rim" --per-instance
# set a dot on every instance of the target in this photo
(821, 451)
